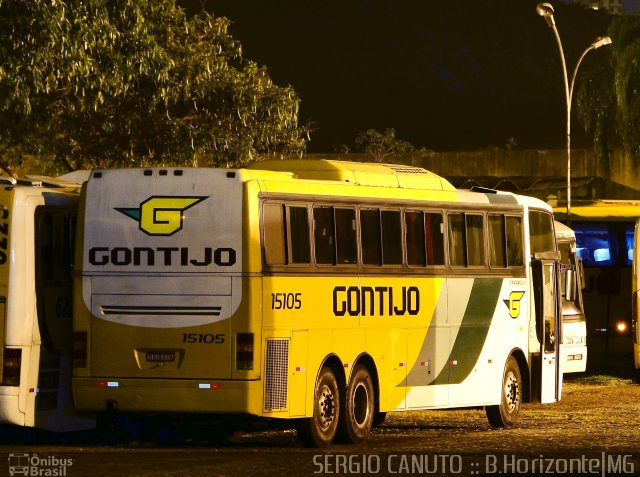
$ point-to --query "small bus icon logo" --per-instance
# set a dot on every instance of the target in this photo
(18, 464)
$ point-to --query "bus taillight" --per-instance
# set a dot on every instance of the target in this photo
(80, 349)
(244, 351)
(11, 363)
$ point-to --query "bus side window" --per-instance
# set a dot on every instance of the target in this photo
(434, 226)
(274, 245)
(415, 238)
(497, 241)
(391, 237)
(457, 248)
(347, 238)
(298, 235)
(475, 239)
(424, 238)
(324, 235)
(515, 256)
(370, 237)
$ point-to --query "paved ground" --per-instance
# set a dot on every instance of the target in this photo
(594, 430)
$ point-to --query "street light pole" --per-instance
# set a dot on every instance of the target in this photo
(545, 10)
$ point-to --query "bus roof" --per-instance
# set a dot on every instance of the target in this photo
(358, 173)
(390, 176)
(563, 232)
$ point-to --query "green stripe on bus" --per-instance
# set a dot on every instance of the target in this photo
(473, 331)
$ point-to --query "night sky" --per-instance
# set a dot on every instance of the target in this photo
(445, 75)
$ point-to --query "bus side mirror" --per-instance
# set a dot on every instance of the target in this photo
(570, 284)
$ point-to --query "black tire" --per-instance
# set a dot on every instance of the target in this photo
(506, 413)
(379, 418)
(359, 408)
(319, 430)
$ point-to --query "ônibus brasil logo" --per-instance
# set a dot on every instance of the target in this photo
(159, 215)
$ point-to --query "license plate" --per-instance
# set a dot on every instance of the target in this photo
(161, 356)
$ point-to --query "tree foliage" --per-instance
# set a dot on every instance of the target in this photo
(382, 145)
(609, 99)
(99, 83)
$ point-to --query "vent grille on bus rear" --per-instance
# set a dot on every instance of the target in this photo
(277, 370)
(161, 310)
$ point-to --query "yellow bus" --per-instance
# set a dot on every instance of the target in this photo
(326, 293)
(604, 232)
(37, 221)
(574, 325)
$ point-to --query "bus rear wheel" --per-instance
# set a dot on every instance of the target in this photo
(319, 430)
(506, 413)
(359, 407)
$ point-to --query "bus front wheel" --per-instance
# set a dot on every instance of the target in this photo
(359, 406)
(506, 413)
(319, 430)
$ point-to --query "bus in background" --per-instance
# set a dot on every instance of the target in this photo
(321, 292)
(635, 296)
(574, 326)
(37, 221)
(604, 237)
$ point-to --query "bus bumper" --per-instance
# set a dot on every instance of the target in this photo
(157, 395)
(575, 359)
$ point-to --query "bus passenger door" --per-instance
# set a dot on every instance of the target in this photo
(546, 371)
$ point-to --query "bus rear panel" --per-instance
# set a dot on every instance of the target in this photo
(160, 279)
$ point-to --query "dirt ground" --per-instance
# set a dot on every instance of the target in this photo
(594, 430)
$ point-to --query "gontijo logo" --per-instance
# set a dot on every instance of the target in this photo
(513, 303)
(160, 215)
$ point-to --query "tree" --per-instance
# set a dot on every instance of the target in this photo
(381, 145)
(609, 99)
(97, 83)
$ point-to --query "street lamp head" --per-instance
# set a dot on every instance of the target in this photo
(601, 41)
(546, 10)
